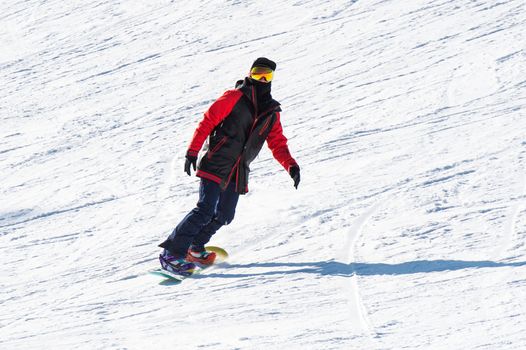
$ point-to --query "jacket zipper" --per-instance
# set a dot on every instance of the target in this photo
(236, 166)
(217, 147)
(256, 120)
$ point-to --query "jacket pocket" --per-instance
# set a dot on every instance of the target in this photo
(217, 147)
(265, 126)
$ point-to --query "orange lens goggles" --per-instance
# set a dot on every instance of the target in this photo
(262, 74)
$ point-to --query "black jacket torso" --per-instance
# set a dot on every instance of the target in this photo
(238, 139)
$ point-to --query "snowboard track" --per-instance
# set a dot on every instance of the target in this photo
(358, 312)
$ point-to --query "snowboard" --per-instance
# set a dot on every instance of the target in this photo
(221, 255)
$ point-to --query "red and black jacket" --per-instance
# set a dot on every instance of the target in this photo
(236, 131)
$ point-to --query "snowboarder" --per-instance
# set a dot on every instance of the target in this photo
(236, 125)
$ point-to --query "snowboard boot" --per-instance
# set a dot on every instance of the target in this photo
(177, 266)
(200, 256)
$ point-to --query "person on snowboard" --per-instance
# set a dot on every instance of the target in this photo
(236, 125)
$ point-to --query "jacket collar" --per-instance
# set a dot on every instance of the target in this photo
(250, 90)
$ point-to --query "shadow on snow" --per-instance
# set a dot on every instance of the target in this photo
(361, 269)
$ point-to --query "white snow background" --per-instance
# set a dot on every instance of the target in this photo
(408, 230)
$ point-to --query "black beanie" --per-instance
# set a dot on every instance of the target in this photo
(264, 62)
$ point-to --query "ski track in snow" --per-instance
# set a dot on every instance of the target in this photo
(510, 233)
(358, 311)
(408, 228)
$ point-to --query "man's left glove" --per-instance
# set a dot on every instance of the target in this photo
(191, 159)
(294, 172)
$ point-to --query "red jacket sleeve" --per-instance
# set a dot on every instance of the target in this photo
(277, 142)
(218, 111)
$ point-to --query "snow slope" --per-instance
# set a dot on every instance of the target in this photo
(407, 231)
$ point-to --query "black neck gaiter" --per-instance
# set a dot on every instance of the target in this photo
(263, 96)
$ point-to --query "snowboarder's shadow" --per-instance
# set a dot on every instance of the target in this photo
(336, 268)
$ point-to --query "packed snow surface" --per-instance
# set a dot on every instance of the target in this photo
(408, 229)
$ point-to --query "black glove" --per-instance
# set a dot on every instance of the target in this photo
(294, 172)
(190, 160)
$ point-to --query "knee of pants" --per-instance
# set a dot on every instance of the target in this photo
(205, 210)
(224, 218)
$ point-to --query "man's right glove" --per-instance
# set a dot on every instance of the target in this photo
(294, 172)
(191, 159)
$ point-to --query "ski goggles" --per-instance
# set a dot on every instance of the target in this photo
(262, 74)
